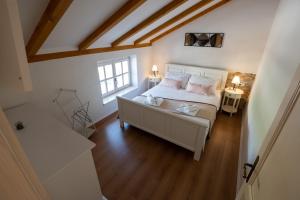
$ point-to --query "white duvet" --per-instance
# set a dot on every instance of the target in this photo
(183, 95)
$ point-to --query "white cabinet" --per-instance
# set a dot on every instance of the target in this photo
(61, 158)
(14, 69)
(153, 81)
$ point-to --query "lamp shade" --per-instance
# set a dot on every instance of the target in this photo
(236, 80)
(154, 68)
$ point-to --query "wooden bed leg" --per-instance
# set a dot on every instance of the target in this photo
(197, 155)
(208, 137)
(122, 124)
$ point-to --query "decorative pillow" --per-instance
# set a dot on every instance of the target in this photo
(198, 88)
(182, 77)
(203, 80)
(170, 83)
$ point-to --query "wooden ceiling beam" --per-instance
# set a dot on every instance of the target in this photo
(65, 54)
(117, 17)
(53, 13)
(178, 17)
(157, 15)
(206, 11)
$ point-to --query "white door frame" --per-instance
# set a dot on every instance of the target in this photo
(280, 119)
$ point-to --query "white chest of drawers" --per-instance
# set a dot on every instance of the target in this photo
(61, 158)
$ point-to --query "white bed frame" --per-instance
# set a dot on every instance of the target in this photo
(217, 74)
(187, 132)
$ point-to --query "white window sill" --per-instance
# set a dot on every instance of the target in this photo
(112, 97)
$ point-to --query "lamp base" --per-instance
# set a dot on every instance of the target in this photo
(234, 87)
(154, 74)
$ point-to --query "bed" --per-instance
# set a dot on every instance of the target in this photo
(189, 132)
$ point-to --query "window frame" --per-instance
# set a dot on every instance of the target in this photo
(114, 77)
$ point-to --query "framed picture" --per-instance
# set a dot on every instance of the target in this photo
(204, 39)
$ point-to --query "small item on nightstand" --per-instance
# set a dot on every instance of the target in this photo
(19, 125)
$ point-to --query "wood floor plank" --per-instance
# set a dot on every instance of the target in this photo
(133, 164)
(149, 187)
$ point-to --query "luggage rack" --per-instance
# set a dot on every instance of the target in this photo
(79, 118)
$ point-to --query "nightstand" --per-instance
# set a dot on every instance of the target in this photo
(153, 81)
(235, 95)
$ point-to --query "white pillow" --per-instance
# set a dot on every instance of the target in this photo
(183, 77)
(203, 80)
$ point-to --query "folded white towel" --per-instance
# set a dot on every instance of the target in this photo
(191, 110)
(153, 101)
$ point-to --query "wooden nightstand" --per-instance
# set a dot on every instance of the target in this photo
(153, 81)
(235, 95)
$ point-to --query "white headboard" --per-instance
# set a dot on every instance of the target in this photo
(217, 74)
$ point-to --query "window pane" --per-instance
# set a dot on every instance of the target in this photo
(103, 87)
(118, 68)
(101, 73)
(108, 71)
(125, 66)
(126, 79)
(110, 85)
(119, 81)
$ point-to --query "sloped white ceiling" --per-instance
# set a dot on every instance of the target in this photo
(139, 15)
(81, 19)
(183, 19)
(162, 20)
(30, 14)
(84, 16)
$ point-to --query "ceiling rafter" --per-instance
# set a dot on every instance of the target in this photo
(51, 16)
(64, 54)
(117, 17)
(157, 15)
(178, 17)
(206, 11)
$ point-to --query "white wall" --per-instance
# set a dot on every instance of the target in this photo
(246, 24)
(75, 73)
(280, 61)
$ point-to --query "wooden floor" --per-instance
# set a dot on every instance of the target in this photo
(133, 164)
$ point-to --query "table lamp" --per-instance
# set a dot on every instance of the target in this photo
(155, 70)
(236, 82)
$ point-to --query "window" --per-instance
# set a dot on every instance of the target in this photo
(114, 76)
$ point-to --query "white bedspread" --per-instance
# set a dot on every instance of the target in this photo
(183, 95)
